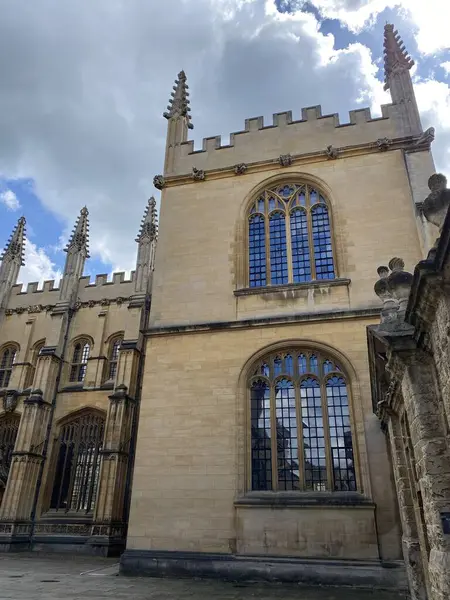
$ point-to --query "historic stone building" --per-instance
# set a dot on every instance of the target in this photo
(259, 453)
(71, 364)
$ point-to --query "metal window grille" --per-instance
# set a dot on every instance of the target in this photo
(78, 464)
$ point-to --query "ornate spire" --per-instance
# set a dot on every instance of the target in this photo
(147, 238)
(79, 240)
(179, 102)
(149, 223)
(15, 246)
(396, 58)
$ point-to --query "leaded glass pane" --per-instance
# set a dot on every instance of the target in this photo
(301, 262)
(313, 364)
(288, 468)
(78, 464)
(323, 251)
(257, 252)
(340, 435)
(313, 435)
(277, 366)
(261, 436)
(278, 249)
(302, 366)
(289, 365)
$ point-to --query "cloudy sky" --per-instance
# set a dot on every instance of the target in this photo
(84, 84)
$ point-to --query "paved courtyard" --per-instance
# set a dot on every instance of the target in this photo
(32, 576)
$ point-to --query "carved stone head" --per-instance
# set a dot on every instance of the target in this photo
(436, 205)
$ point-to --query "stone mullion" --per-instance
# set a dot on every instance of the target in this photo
(114, 462)
(410, 541)
(432, 458)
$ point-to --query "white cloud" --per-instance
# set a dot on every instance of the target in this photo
(10, 200)
(84, 86)
(38, 265)
(431, 31)
(446, 66)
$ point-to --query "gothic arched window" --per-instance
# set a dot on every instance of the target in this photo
(301, 436)
(289, 236)
(32, 368)
(78, 463)
(113, 356)
(7, 357)
(80, 357)
(9, 426)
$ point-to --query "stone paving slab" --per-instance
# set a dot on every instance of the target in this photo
(55, 577)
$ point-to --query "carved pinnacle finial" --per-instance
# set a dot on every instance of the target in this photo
(396, 57)
(179, 102)
(149, 224)
(79, 240)
(15, 246)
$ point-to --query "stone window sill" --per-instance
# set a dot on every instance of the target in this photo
(61, 516)
(271, 289)
(303, 499)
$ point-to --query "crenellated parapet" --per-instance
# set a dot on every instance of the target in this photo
(307, 137)
(101, 288)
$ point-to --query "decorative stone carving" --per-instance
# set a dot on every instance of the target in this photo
(382, 290)
(427, 137)
(198, 174)
(10, 401)
(9, 312)
(240, 169)
(77, 305)
(91, 303)
(36, 308)
(120, 300)
(399, 282)
(49, 307)
(383, 144)
(104, 302)
(20, 310)
(331, 152)
(285, 160)
(436, 204)
(159, 182)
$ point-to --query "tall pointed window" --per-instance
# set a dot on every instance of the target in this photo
(289, 236)
(301, 436)
(113, 356)
(9, 426)
(81, 351)
(7, 357)
(78, 464)
(31, 372)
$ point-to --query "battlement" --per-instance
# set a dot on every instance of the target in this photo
(312, 133)
(102, 287)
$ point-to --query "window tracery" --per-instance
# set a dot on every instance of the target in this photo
(289, 236)
(7, 357)
(300, 426)
(81, 351)
(9, 426)
(78, 464)
(113, 356)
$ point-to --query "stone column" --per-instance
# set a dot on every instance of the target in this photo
(109, 528)
(19, 495)
(432, 460)
(410, 539)
(96, 362)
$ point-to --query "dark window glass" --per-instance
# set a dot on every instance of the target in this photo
(278, 249)
(78, 464)
(257, 252)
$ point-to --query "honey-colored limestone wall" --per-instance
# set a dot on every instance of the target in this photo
(202, 246)
(257, 143)
(191, 462)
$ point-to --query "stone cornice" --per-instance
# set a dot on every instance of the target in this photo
(409, 144)
(291, 287)
(332, 315)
